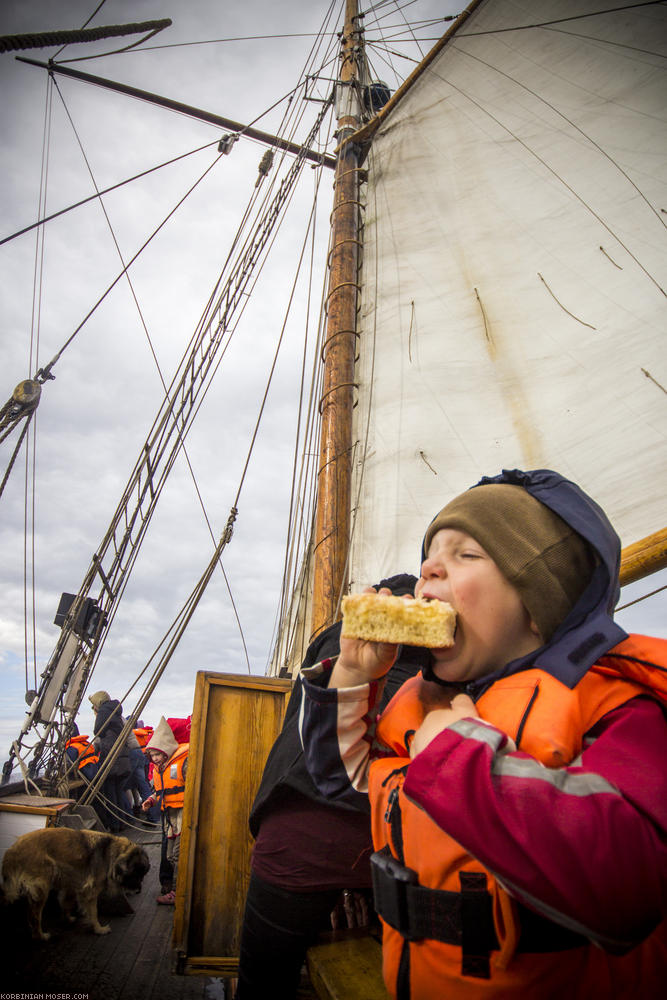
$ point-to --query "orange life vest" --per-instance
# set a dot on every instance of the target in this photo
(86, 751)
(170, 784)
(548, 720)
(143, 735)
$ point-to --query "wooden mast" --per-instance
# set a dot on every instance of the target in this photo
(332, 527)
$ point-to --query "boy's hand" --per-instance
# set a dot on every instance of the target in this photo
(361, 661)
(461, 707)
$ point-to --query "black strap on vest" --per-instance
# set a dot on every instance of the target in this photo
(173, 790)
(459, 918)
(462, 918)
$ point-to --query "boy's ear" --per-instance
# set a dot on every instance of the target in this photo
(535, 630)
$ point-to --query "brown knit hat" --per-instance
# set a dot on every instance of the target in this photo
(542, 557)
(99, 698)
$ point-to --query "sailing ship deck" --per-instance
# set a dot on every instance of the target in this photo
(134, 960)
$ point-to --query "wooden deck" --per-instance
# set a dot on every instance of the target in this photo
(134, 960)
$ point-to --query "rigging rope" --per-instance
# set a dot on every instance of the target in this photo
(176, 415)
(186, 397)
(152, 349)
(45, 39)
(561, 20)
(84, 25)
(98, 194)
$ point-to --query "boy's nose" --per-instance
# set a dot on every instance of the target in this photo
(433, 568)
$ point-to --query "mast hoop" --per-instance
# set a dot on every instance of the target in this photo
(362, 171)
(344, 204)
(342, 284)
(338, 333)
(335, 388)
(349, 239)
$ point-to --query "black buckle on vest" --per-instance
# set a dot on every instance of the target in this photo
(460, 918)
(390, 888)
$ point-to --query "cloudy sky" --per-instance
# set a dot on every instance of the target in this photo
(93, 419)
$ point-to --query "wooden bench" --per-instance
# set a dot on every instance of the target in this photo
(348, 967)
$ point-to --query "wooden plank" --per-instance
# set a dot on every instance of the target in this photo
(211, 965)
(56, 807)
(235, 721)
(348, 969)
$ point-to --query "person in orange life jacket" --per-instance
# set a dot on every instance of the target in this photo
(78, 748)
(517, 787)
(108, 725)
(296, 879)
(143, 735)
(170, 763)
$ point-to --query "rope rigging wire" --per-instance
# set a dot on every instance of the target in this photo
(29, 400)
(152, 349)
(173, 635)
(98, 194)
(249, 256)
(254, 249)
(562, 20)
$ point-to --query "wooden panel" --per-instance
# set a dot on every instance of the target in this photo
(234, 724)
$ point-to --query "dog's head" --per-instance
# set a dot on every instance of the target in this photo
(129, 865)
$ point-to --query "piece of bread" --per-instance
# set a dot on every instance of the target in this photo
(385, 618)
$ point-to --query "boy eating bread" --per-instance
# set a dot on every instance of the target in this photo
(517, 785)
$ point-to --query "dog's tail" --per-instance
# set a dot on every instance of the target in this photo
(17, 883)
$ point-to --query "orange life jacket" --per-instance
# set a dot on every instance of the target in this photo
(143, 735)
(548, 720)
(170, 784)
(86, 751)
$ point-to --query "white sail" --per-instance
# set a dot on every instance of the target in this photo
(513, 306)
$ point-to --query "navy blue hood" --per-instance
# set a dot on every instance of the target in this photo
(589, 630)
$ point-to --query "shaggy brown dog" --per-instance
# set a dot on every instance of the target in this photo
(78, 864)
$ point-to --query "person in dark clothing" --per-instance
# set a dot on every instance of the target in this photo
(307, 850)
(108, 725)
(137, 785)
